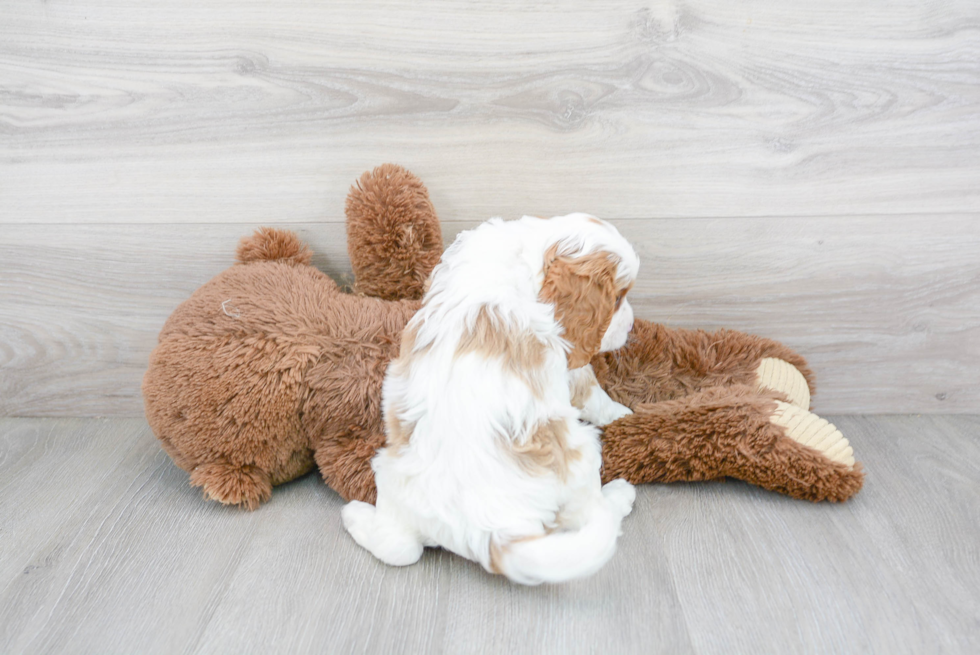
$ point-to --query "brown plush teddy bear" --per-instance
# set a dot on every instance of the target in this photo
(270, 367)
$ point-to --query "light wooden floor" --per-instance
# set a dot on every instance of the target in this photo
(107, 549)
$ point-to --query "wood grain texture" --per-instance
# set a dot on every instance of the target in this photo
(250, 111)
(881, 573)
(887, 310)
(107, 549)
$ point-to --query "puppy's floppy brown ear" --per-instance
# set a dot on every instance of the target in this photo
(583, 292)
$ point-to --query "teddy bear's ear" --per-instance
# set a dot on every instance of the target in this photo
(393, 234)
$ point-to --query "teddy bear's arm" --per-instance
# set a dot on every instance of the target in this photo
(726, 432)
(659, 363)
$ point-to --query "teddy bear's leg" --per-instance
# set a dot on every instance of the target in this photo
(345, 462)
(731, 432)
(299, 463)
(660, 363)
(230, 484)
(394, 239)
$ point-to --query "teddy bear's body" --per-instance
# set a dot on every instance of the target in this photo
(270, 368)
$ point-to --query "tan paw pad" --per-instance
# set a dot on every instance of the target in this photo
(779, 375)
(810, 430)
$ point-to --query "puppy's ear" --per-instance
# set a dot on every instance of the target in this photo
(583, 292)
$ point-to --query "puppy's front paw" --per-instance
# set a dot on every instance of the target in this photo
(604, 413)
(615, 412)
(620, 494)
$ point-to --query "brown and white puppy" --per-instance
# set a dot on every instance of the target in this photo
(486, 455)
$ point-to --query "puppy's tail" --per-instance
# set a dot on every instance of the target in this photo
(271, 244)
(559, 556)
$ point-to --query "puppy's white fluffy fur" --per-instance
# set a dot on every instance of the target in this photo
(486, 454)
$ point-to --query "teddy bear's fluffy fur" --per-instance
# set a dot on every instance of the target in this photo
(271, 368)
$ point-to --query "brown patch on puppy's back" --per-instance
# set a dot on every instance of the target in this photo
(407, 352)
(408, 340)
(546, 450)
(399, 432)
(521, 352)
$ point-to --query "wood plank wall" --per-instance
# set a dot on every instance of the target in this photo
(809, 171)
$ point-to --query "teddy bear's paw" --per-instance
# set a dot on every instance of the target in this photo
(620, 494)
(810, 430)
(779, 375)
(246, 486)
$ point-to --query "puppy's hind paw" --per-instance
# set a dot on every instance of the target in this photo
(387, 539)
(620, 494)
(358, 518)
